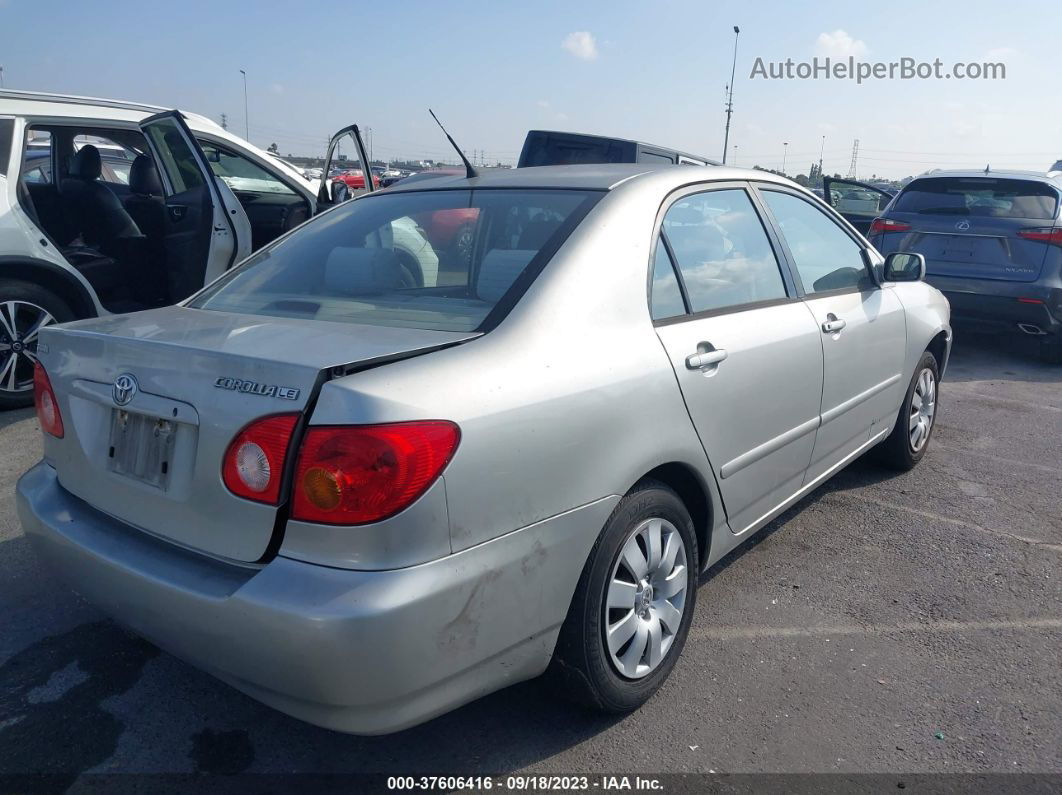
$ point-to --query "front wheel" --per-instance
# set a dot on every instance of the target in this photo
(25, 309)
(632, 609)
(909, 440)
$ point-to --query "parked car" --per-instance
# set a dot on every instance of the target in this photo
(355, 179)
(90, 224)
(366, 502)
(553, 148)
(992, 243)
(859, 202)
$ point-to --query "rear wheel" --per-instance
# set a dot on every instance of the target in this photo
(25, 309)
(632, 609)
(909, 440)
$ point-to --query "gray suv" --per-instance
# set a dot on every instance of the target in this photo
(992, 241)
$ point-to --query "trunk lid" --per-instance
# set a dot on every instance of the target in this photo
(201, 376)
(967, 226)
(971, 248)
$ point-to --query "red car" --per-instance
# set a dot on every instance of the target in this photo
(354, 179)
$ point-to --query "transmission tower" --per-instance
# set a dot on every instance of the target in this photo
(855, 159)
(224, 121)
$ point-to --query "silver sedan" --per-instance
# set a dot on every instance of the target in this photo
(365, 498)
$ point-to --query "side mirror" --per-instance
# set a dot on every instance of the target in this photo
(340, 191)
(901, 266)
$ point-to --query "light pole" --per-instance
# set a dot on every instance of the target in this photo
(821, 149)
(730, 96)
(246, 120)
(785, 151)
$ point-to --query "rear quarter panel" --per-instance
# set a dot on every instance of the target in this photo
(570, 400)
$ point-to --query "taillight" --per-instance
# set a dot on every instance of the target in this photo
(880, 226)
(1044, 234)
(358, 474)
(47, 406)
(254, 463)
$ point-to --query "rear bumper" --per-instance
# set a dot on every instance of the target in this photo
(998, 305)
(357, 651)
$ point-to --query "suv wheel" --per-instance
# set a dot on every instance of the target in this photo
(909, 440)
(632, 609)
(25, 309)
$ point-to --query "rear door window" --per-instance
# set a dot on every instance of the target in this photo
(722, 250)
(7, 129)
(986, 197)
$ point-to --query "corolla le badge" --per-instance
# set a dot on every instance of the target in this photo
(254, 388)
(124, 389)
(962, 226)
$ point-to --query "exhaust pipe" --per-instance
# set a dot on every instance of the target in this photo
(1032, 330)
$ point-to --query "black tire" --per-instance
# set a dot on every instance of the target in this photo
(897, 451)
(1051, 351)
(582, 664)
(25, 293)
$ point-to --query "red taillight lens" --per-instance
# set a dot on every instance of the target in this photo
(359, 474)
(880, 226)
(1045, 234)
(254, 463)
(47, 406)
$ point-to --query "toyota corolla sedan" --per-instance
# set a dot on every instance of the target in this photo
(366, 500)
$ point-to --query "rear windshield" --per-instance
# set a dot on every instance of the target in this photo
(979, 196)
(437, 260)
(550, 149)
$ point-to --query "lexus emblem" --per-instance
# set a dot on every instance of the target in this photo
(962, 226)
(125, 387)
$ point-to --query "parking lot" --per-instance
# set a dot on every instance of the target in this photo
(887, 623)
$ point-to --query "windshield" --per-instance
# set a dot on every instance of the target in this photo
(978, 196)
(435, 260)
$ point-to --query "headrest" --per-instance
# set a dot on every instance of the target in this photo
(350, 270)
(144, 177)
(536, 233)
(86, 163)
(498, 271)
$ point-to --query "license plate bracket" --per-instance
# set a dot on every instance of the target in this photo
(141, 447)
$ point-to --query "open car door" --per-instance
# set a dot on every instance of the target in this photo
(207, 230)
(332, 192)
(858, 202)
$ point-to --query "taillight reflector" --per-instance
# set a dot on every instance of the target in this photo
(880, 226)
(356, 474)
(1044, 234)
(47, 406)
(254, 462)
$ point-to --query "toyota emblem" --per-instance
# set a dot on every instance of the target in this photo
(125, 387)
(962, 226)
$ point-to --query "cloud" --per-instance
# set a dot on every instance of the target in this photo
(840, 44)
(1000, 54)
(543, 103)
(581, 44)
(276, 88)
(826, 127)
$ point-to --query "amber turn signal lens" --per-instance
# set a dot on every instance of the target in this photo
(321, 488)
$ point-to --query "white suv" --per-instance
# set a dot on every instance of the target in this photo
(109, 207)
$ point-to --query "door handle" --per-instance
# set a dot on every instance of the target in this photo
(177, 211)
(704, 359)
(833, 324)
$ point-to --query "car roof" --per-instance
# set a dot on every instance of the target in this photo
(1036, 176)
(39, 104)
(604, 176)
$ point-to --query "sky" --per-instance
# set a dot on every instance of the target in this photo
(493, 70)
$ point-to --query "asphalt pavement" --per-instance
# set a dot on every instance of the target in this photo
(890, 623)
